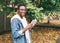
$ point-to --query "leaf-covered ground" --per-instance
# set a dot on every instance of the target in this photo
(39, 35)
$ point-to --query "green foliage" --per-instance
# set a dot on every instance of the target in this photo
(47, 4)
(34, 12)
(12, 13)
(36, 9)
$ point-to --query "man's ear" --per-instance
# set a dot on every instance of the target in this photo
(17, 11)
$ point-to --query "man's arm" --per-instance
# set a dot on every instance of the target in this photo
(29, 26)
(16, 32)
(15, 28)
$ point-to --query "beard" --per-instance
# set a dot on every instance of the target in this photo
(22, 15)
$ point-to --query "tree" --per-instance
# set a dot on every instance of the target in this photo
(36, 9)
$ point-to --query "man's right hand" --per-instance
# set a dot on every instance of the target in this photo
(32, 24)
(29, 26)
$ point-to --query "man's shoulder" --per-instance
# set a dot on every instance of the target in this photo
(14, 18)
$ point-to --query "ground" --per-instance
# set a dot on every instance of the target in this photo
(39, 35)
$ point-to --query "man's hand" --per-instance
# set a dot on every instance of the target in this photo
(33, 22)
(29, 26)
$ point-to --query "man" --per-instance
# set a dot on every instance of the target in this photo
(20, 27)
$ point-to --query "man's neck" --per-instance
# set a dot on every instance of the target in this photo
(21, 16)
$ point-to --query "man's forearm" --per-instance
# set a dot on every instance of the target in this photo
(27, 27)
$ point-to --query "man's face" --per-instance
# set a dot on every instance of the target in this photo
(22, 10)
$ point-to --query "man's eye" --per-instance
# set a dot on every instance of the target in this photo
(22, 9)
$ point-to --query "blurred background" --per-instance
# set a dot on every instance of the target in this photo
(47, 13)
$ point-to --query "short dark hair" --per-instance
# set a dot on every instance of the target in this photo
(21, 5)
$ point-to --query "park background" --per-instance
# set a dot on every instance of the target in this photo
(47, 13)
